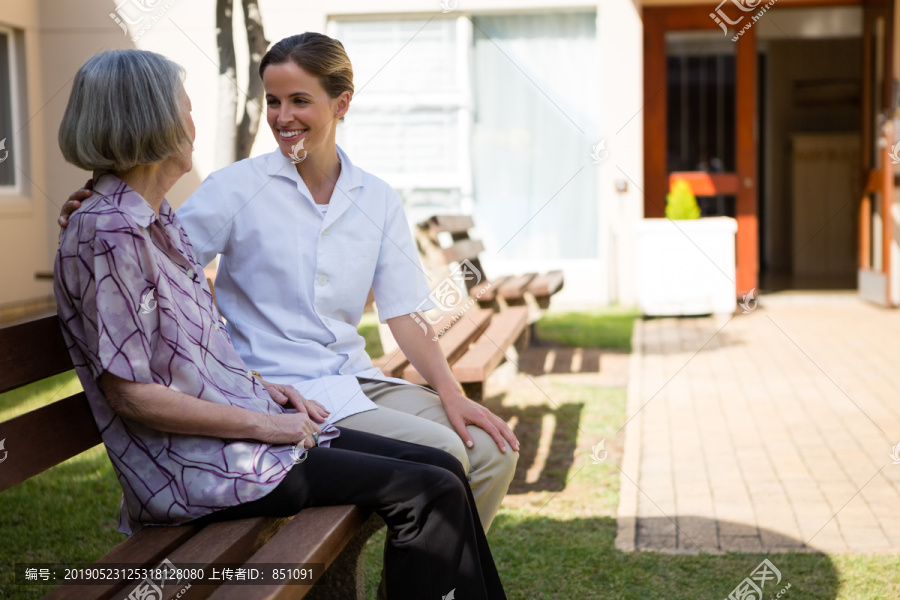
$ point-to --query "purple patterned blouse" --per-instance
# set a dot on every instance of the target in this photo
(133, 301)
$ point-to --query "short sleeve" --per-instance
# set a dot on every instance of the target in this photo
(400, 284)
(206, 217)
(107, 301)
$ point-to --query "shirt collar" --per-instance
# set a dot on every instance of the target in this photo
(129, 201)
(349, 179)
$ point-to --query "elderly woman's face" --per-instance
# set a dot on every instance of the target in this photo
(187, 152)
(299, 109)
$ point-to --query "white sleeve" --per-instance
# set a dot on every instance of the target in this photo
(207, 216)
(400, 284)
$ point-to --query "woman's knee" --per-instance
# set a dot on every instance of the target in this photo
(445, 479)
(488, 458)
(507, 461)
(443, 460)
(430, 492)
(453, 445)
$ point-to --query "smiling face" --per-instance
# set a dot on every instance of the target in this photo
(298, 108)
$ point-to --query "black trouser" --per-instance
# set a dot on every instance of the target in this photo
(435, 542)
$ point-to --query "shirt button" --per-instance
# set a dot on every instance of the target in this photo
(325, 231)
(249, 375)
(321, 280)
(216, 325)
(189, 273)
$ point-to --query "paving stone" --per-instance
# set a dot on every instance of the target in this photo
(777, 423)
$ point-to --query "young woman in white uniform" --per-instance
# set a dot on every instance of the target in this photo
(301, 244)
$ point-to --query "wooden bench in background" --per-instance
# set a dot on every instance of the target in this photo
(474, 346)
(509, 290)
(486, 333)
(47, 436)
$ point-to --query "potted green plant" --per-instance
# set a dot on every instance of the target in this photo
(685, 264)
(681, 204)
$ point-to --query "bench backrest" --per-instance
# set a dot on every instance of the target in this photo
(436, 258)
(53, 433)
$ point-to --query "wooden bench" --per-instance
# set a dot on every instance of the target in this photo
(333, 536)
(485, 335)
(474, 345)
(510, 290)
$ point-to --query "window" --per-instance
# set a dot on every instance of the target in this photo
(490, 115)
(8, 117)
(409, 121)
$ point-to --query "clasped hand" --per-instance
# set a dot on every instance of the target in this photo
(295, 428)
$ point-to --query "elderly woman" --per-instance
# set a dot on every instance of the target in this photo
(193, 434)
(303, 234)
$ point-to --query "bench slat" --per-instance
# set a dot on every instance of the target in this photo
(483, 293)
(32, 351)
(479, 289)
(488, 350)
(465, 249)
(46, 437)
(226, 542)
(514, 287)
(316, 535)
(456, 340)
(391, 365)
(491, 292)
(454, 224)
(546, 284)
(149, 546)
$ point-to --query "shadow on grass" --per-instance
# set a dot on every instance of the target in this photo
(69, 514)
(564, 559)
(66, 514)
(541, 468)
(546, 558)
(560, 359)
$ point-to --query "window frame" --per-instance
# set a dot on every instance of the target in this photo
(12, 195)
(460, 102)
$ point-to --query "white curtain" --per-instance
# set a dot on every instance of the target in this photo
(404, 120)
(535, 124)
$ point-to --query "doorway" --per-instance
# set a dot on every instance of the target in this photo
(700, 121)
(767, 126)
(810, 99)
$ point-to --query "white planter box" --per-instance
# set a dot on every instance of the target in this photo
(685, 267)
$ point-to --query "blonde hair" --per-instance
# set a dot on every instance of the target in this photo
(321, 56)
(124, 111)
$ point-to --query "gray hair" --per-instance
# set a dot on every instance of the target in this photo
(124, 111)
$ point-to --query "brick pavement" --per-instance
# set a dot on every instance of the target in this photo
(765, 431)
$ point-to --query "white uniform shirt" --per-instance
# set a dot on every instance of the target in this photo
(293, 280)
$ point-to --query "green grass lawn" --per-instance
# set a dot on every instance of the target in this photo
(554, 537)
(608, 329)
(368, 328)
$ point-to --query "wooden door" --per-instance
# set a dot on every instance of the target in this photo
(876, 226)
(724, 165)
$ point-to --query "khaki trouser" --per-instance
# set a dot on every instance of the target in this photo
(415, 414)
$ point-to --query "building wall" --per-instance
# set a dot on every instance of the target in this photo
(23, 243)
(59, 35)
